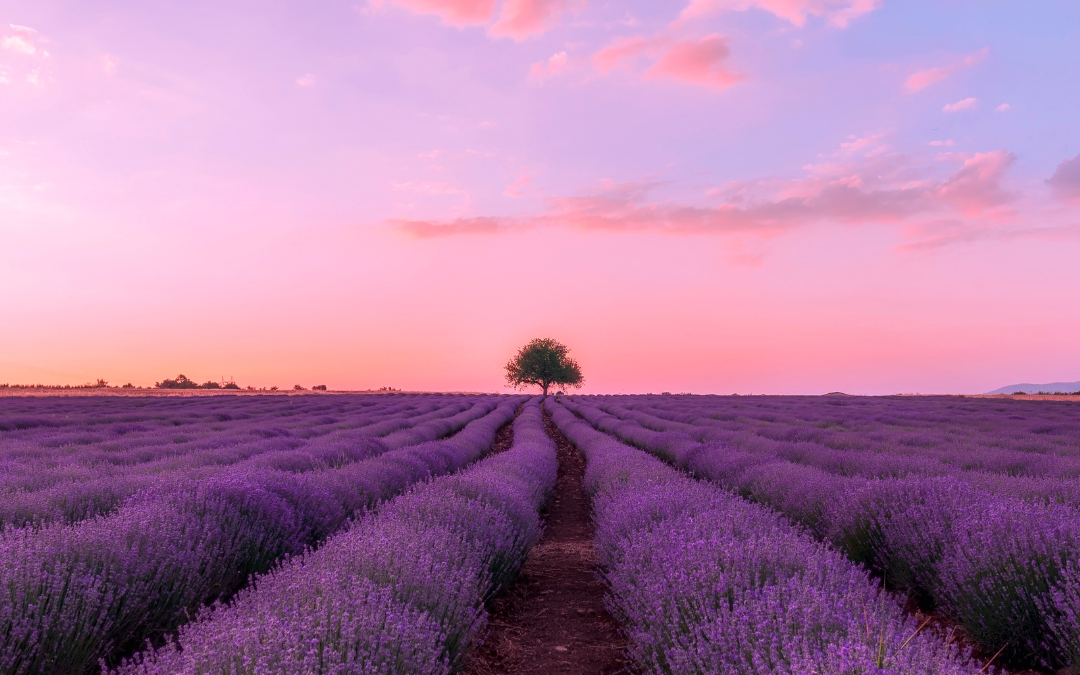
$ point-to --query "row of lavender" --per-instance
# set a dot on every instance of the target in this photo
(1028, 472)
(43, 482)
(401, 592)
(1006, 569)
(886, 436)
(706, 582)
(76, 593)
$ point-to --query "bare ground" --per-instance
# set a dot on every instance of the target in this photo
(554, 620)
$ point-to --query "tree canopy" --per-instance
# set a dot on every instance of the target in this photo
(543, 362)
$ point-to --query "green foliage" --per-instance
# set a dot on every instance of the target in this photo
(184, 382)
(181, 382)
(544, 362)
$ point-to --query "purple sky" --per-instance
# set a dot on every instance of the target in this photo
(789, 196)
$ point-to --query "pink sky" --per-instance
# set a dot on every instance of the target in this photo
(753, 196)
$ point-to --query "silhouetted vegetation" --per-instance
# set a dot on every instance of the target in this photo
(181, 382)
(184, 382)
(99, 384)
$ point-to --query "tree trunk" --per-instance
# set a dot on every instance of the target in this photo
(545, 386)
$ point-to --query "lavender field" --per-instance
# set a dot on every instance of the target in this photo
(966, 508)
(370, 533)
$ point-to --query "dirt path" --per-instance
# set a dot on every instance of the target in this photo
(504, 437)
(553, 620)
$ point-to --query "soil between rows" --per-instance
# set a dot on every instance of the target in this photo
(553, 620)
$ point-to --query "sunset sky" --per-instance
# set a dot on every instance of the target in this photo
(752, 196)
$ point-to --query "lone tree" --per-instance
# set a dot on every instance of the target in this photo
(544, 362)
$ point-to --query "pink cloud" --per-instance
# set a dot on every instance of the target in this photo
(883, 190)
(621, 51)
(541, 70)
(941, 233)
(924, 78)
(426, 229)
(520, 19)
(965, 104)
(1065, 183)
(1004, 107)
(518, 187)
(517, 19)
(21, 40)
(697, 63)
(838, 13)
(306, 80)
(453, 12)
(976, 187)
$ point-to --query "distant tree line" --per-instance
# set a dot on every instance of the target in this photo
(183, 382)
(100, 384)
(1046, 393)
(179, 382)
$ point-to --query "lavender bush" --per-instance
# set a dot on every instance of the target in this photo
(97, 588)
(45, 479)
(705, 582)
(994, 562)
(400, 592)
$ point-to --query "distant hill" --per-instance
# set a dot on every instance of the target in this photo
(1053, 387)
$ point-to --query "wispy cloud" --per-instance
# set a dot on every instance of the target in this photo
(1065, 183)
(941, 233)
(458, 13)
(515, 19)
(556, 64)
(922, 79)
(965, 104)
(838, 13)
(518, 187)
(520, 19)
(424, 229)
(20, 39)
(869, 189)
(697, 62)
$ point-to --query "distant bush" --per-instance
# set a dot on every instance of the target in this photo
(184, 382)
(181, 382)
(319, 387)
(128, 386)
(297, 387)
